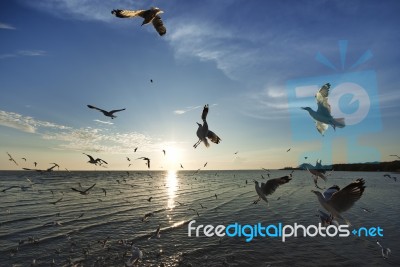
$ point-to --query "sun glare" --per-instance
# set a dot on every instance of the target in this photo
(173, 157)
(172, 184)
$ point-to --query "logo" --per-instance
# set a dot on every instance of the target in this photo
(249, 232)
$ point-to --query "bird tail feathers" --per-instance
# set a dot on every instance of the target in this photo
(206, 142)
(339, 122)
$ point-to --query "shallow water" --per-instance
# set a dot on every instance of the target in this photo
(87, 219)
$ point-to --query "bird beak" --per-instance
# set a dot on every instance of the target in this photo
(315, 192)
(304, 108)
(198, 124)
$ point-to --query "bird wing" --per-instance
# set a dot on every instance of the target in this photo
(90, 157)
(213, 137)
(148, 163)
(322, 100)
(159, 25)
(260, 192)
(98, 159)
(76, 190)
(272, 184)
(99, 109)
(205, 112)
(89, 188)
(124, 13)
(116, 110)
(345, 198)
(321, 127)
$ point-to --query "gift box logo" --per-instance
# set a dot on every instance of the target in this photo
(353, 95)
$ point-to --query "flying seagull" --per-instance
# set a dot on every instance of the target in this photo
(41, 171)
(269, 187)
(83, 192)
(203, 132)
(150, 15)
(95, 161)
(146, 159)
(106, 113)
(11, 158)
(322, 116)
(395, 156)
(315, 174)
(337, 201)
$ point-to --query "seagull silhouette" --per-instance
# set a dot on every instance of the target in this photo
(269, 187)
(322, 116)
(203, 132)
(11, 158)
(83, 192)
(150, 15)
(106, 113)
(95, 161)
(146, 159)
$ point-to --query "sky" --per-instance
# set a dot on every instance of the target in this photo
(256, 63)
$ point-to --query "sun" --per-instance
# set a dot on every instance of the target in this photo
(173, 157)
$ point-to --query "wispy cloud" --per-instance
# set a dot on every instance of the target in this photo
(183, 111)
(6, 26)
(79, 139)
(104, 122)
(24, 53)
(83, 10)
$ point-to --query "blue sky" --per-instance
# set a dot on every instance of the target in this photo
(237, 56)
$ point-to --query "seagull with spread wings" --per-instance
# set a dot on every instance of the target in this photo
(83, 192)
(337, 201)
(269, 187)
(150, 15)
(105, 112)
(95, 161)
(203, 132)
(147, 161)
(11, 158)
(322, 116)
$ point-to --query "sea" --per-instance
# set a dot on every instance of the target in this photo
(44, 222)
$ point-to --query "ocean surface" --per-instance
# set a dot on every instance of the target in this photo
(98, 229)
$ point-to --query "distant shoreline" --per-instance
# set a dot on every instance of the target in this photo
(391, 166)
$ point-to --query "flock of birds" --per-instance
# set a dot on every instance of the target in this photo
(334, 200)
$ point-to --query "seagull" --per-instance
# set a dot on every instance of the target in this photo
(315, 174)
(366, 210)
(104, 191)
(163, 151)
(385, 251)
(35, 163)
(337, 201)
(12, 159)
(322, 116)
(41, 171)
(83, 192)
(149, 199)
(288, 150)
(181, 166)
(157, 233)
(146, 216)
(150, 15)
(136, 255)
(24, 159)
(195, 211)
(146, 159)
(203, 132)
(128, 158)
(95, 161)
(135, 149)
(106, 113)
(325, 218)
(236, 152)
(269, 187)
(395, 156)
(205, 164)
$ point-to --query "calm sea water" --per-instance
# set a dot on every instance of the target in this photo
(27, 214)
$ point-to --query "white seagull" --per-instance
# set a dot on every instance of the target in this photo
(136, 255)
(322, 116)
(203, 132)
(269, 187)
(150, 15)
(337, 201)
